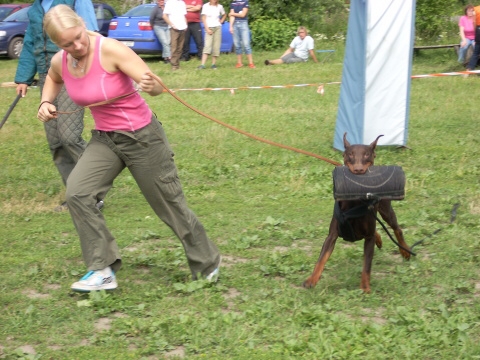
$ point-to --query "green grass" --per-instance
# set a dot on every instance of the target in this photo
(268, 209)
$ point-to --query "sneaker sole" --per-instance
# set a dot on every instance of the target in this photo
(81, 289)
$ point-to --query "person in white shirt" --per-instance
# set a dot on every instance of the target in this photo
(213, 16)
(175, 15)
(300, 47)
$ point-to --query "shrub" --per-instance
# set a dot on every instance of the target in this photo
(271, 34)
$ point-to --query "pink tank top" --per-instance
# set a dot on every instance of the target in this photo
(127, 114)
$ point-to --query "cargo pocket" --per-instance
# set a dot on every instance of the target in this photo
(170, 185)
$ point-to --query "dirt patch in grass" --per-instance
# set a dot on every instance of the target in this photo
(475, 206)
(37, 205)
(103, 324)
(32, 294)
(178, 353)
(228, 261)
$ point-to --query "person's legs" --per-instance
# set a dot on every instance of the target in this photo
(155, 172)
(274, 62)
(90, 179)
(177, 39)
(207, 49)
(185, 56)
(476, 52)
(237, 42)
(289, 58)
(163, 35)
(196, 31)
(216, 42)
(245, 39)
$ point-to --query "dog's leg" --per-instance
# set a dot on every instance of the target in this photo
(378, 240)
(325, 253)
(388, 214)
(368, 250)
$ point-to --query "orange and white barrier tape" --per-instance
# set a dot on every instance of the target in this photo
(457, 73)
(320, 87)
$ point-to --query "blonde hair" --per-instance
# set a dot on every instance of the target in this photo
(58, 19)
(302, 28)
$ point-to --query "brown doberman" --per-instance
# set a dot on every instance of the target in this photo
(358, 158)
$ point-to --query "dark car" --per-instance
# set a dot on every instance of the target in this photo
(8, 9)
(13, 28)
(134, 30)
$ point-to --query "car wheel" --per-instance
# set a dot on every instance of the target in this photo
(15, 47)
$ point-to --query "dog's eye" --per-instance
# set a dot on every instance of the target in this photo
(367, 155)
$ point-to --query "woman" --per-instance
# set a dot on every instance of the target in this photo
(238, 16)
(466, 25)
(213, 16)
(301, 46)
(161, 30)
(127, 134)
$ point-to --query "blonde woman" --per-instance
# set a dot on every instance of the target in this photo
(127, 134)
(300, 47)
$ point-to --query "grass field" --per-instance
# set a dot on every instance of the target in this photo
(268, 209)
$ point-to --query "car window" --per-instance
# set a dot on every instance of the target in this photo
(139, 11)
(107, 14)
(4, 11)
(20, 15)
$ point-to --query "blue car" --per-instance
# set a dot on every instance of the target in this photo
(14, 26)
(134, 30)
(8, 9)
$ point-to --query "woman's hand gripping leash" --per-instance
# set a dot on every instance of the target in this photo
(46, 111)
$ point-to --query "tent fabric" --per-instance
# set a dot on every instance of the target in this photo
(375, 89)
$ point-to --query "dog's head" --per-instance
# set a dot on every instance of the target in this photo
(359, 158)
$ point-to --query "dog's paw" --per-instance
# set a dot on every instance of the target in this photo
(309, 284)
(405, 254)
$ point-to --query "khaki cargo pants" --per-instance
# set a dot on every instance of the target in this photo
(148, 156)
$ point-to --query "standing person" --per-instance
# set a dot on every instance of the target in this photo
(194, 7)
(241, 32)
(476, 52)
(174, 15)
(298, 51)
(213, 16)
(64, 134)
(466, 25)
(127, 134)
(160, 27)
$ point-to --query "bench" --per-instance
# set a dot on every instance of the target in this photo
(428, 47)
(327, 52)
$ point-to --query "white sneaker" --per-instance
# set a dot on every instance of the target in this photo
(215, 274)
(96, 280)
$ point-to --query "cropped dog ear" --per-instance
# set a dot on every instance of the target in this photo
(373, 145)
(346, 144)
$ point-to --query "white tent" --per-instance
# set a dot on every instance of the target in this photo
(375, 89)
